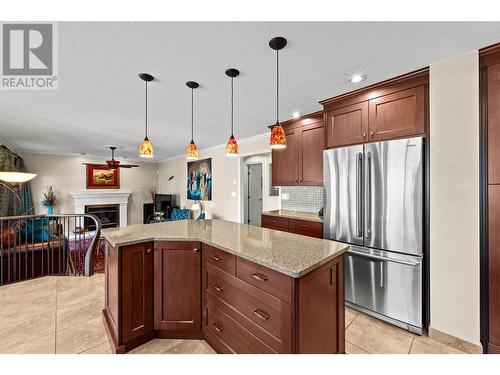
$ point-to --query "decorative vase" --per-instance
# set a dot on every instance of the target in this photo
(50, 210)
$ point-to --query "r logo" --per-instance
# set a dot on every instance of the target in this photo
(27, 49)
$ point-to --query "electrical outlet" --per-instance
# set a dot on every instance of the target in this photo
(233, 194)
(285, 196)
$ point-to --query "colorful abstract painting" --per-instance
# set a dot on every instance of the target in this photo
(199, 180)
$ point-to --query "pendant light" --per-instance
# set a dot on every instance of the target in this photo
(232, 146)
(192, 151)
(146, 148)
(278, 139)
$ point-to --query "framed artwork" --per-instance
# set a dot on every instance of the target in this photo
(199, 180)
(101, 177)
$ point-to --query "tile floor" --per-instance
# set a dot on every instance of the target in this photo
(58, 314)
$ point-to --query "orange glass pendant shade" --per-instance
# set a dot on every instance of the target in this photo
(278, 139)
(146, 149)
(192, 152)
(232, 147)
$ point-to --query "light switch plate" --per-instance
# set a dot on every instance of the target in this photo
(233, 194)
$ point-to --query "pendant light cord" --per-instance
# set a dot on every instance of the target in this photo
(146, 127)
(192, 117)
(232, 108)
(277, 86)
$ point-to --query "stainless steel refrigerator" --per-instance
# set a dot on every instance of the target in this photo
(374, 201)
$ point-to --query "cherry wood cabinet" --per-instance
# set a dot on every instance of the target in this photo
(285, 161)
(397, 108)
(301, 162)
(284, 224)
(137, 290)
(177, 289)
(347, 125)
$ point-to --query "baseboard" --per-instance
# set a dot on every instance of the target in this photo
(182, 335)
(493, 349)
(455, 342)
(117, 349)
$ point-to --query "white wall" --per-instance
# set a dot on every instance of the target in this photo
(454, 196)
(67, 174)
(225, 172)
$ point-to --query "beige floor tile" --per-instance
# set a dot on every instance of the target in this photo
(42, 345)
(79, 313)
(353, 349)
(104, 348)
(80, 338)
(350, 314)
(426, 345)
(78, 296)
(70, 282)
(169, 346)
(375, 336)
(21, 310)
(27, 330)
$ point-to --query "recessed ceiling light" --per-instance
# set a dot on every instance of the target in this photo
(357, 78)
(296, 114)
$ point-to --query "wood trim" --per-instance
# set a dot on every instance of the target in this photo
(183, 335)
(403, 82)
(493, 349)
(489, 55)
(455, 342)
(117, 349)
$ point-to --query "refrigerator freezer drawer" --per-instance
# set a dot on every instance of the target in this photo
(386, 283)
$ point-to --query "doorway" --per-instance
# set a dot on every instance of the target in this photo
(254, 191)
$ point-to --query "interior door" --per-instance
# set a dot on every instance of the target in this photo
(254, 194)
(394, 195)
(343, 175)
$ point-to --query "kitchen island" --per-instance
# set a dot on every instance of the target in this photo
(242, 288)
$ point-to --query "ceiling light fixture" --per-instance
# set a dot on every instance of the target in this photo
(146, 148)
(278, 139)
(192, 150)
(296, 114)
(356, 78)
(232, 146)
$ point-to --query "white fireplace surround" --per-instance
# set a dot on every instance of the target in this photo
(93, 197)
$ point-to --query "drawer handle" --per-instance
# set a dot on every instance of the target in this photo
(275, 221)
(304, 226)
(217, 328)
(261, 314)
(217, 288)
(215, 257)
(259, 276)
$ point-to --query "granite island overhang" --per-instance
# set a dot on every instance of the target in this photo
(242, 288)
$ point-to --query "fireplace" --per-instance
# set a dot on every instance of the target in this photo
(94, 198)
(109, 214)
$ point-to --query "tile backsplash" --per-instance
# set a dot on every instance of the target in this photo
(302, 198)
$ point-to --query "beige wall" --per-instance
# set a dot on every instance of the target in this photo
(454, 196)
(225, 172)
(67, 174)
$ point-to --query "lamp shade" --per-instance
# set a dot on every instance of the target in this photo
(16, 177)
(232, 147)
(192, 151)
(146, 149)
(277, 139)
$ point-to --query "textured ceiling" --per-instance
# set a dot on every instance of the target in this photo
(100, 99)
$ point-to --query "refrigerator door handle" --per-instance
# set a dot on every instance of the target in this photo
(359, 194)
(368, 208)
(385, 259)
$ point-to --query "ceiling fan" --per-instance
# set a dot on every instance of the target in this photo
(112, 164)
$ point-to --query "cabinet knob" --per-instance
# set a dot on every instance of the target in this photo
(148, 251)
(371, 133)
(196, 250)
(364, 135)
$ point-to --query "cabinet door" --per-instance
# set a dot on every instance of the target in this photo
(285, 163)
(137, 290)
(494, 266)
(397, 115)
(347, 125)
(177, 274)
(312, 141)
(493, 94)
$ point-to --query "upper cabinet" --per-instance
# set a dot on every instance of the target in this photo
(393, 109)
(301, 162)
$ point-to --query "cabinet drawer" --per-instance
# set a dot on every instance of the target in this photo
(275, 283)
(233, 335)
(249, 306)
(274, 222)
(306, 228)
(220, 259)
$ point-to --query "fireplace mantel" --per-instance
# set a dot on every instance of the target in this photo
(93, 197)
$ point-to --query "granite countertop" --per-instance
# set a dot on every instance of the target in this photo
(300, 215)
(291, 254)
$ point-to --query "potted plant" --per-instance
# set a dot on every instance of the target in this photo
(49, 200)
